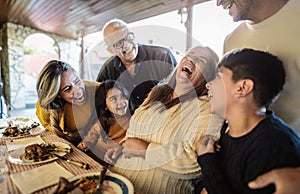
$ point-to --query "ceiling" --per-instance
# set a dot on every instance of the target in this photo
(77, 18)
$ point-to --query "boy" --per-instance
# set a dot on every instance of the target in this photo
(253, 140)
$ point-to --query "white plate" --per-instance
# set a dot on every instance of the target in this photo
(113, 183)
(17, 156)
(22, 122)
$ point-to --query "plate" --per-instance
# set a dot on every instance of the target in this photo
(17, 156)
(113, 183)
(17, 120)
(22, 122)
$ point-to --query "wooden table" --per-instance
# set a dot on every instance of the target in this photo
(77, 155)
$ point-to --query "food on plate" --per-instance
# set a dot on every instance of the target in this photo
(86, 185)
(38, 152)
(64, 186)
(18, 130)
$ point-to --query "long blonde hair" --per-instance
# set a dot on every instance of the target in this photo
(48, 84)
(47, 87)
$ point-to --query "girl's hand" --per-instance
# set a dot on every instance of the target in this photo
(82, 146)
(112, 154)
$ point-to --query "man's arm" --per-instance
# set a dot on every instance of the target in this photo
(286, 180)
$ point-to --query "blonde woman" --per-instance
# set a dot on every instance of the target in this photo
(65, 102)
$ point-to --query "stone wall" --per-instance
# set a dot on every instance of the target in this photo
(13, 36)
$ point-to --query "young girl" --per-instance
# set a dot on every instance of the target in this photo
(111, 101)
(254, 140)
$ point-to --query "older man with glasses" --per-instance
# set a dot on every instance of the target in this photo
(138, 67)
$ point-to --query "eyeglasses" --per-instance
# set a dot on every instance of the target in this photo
(119, 44)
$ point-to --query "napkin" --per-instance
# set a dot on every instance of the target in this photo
(40, 177)
(22, 143)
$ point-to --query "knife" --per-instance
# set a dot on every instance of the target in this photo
(77, 163)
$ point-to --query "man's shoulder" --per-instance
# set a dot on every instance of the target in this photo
(108, 65)
(232, 40)
(156, 48)
(110, 60)
(241, 27)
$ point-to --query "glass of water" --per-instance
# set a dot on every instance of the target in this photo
(3, 170)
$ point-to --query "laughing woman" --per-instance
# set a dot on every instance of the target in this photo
(158, 153)
(65, 102)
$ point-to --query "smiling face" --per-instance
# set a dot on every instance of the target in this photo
(114, 34)
(189, 72)
(197, 66)
(116, 102)
(72, 88)
(220, 92)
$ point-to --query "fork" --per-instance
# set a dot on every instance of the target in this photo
(101, 180)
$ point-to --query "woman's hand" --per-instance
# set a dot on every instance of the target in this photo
(207, 144)
(82, 146)
(134, 147)
(112, 154)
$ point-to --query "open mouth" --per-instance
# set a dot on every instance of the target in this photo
(127, 50)
(187, 69)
